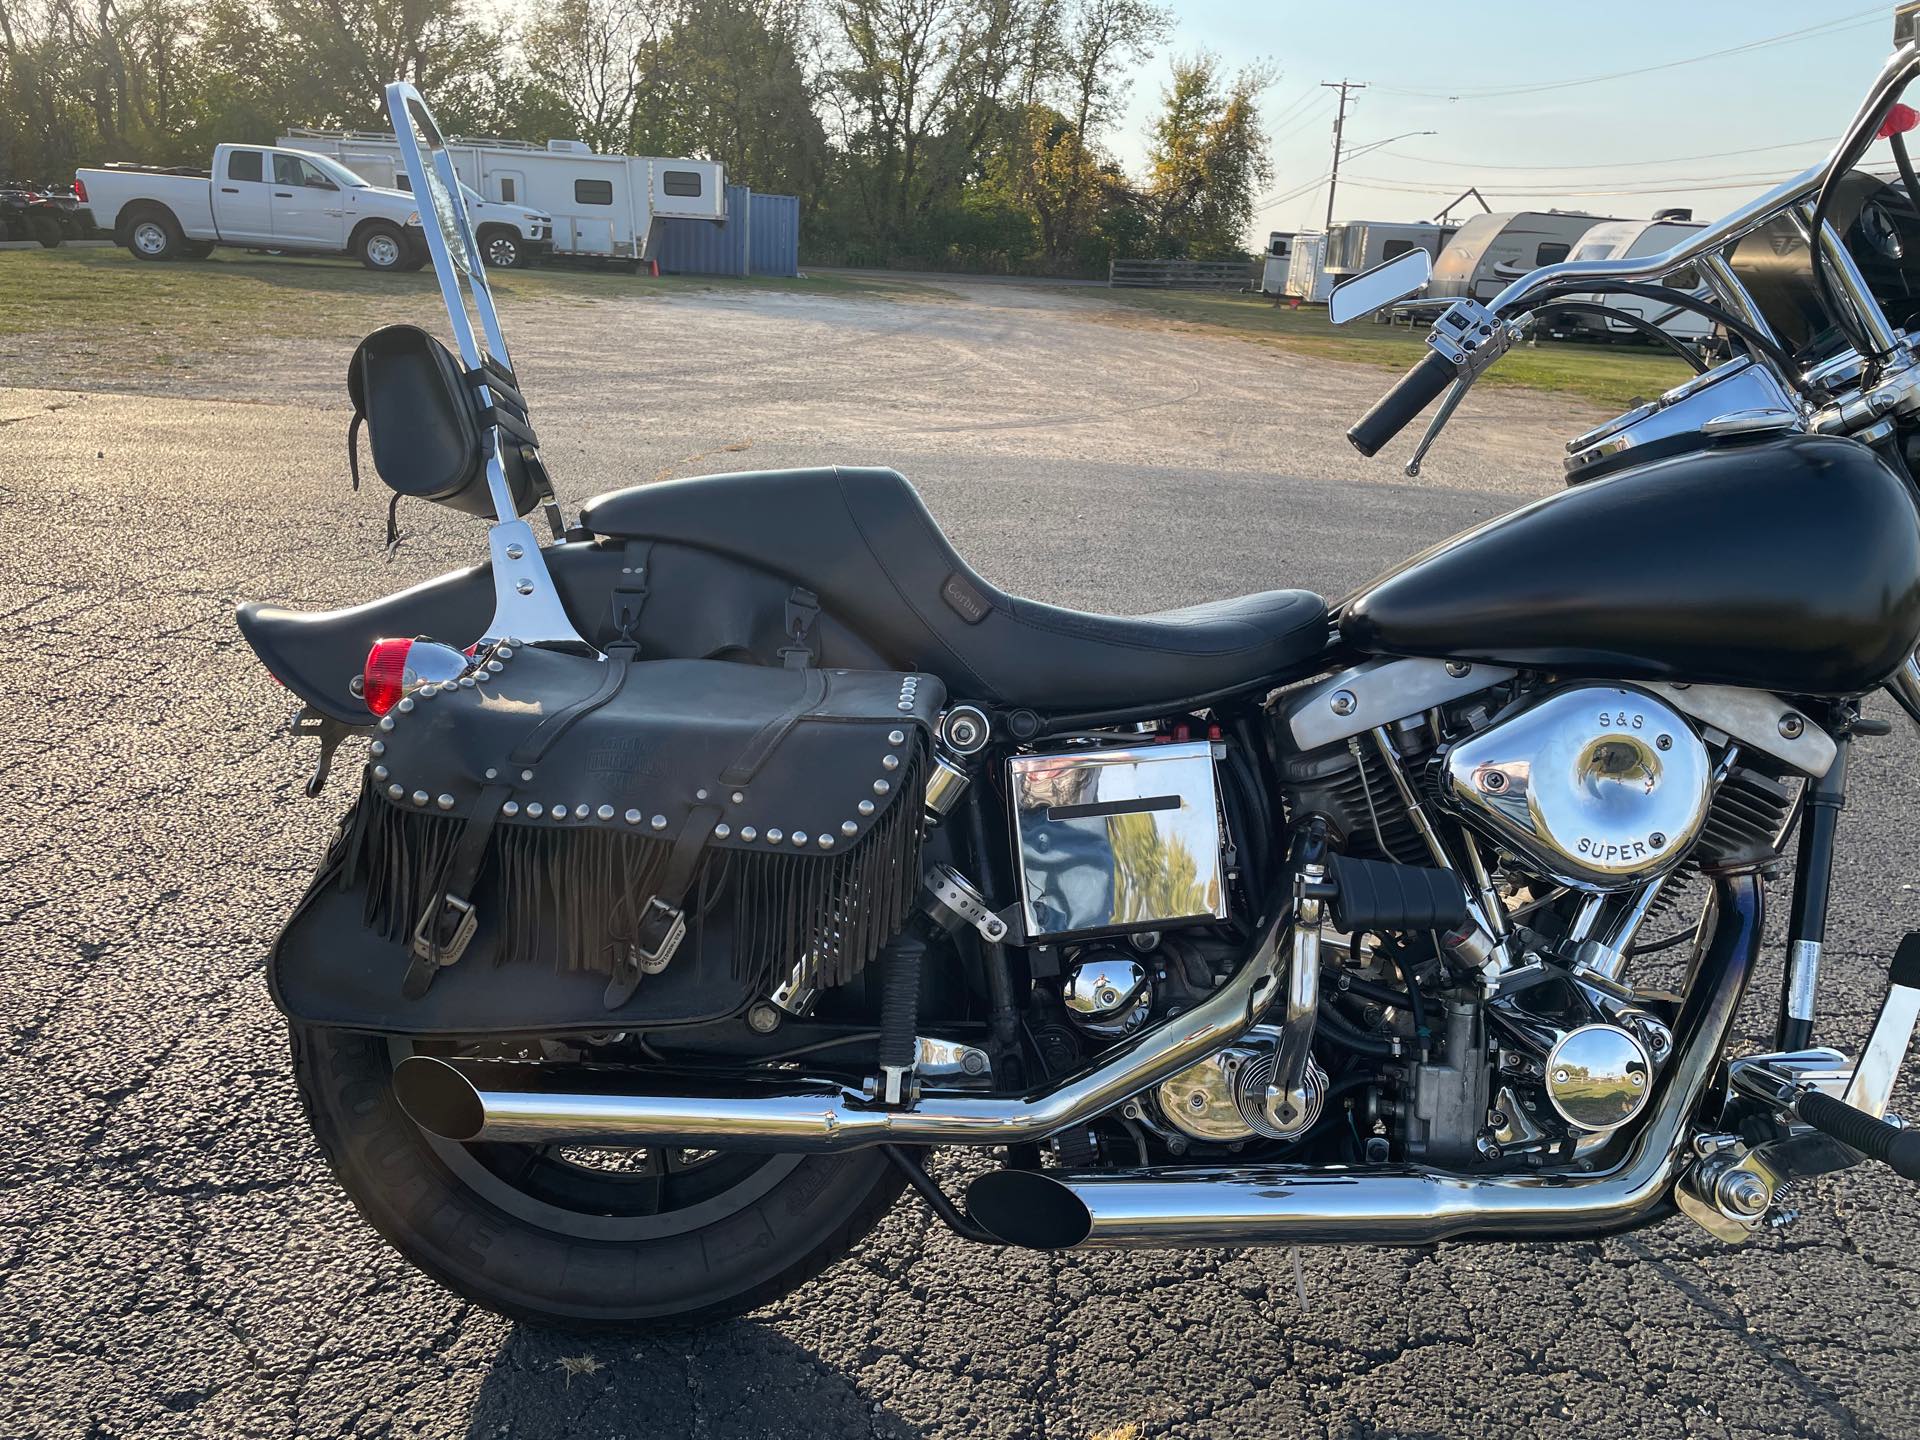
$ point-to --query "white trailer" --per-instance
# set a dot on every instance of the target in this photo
(1491, 250)
(1356, 246)
(1307, 277)
(602, 205)
(1273, 273)
(1618, 240)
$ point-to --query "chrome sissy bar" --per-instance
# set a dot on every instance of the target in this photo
(526, 604)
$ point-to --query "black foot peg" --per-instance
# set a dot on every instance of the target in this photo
(1875, 1139)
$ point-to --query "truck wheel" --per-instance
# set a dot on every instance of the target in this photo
(381, 247)
(501, 250)
(565, 1236)
(154, 235)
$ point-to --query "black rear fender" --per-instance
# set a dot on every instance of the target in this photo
(699, 605)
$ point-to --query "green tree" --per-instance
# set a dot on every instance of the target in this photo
(727, 81)
(586, 56)
(1208, 158)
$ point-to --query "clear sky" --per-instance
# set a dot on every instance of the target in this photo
(1608, 147)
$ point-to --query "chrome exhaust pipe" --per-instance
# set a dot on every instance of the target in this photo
(500, 1101)
(1284, 1205)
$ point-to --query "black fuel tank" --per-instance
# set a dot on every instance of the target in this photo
(1790, 565)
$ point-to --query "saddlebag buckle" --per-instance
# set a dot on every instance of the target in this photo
(662, 927)
(432, 941)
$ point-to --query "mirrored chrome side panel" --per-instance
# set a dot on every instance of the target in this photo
(1117, 840)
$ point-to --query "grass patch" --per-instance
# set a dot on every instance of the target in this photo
(1615, 377)
(181, 308)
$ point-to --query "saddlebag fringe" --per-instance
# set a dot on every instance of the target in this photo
(574, 897)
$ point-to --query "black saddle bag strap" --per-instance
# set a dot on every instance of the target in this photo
(630, 594)
(803, 608)
(748, 762)
(619, 663)
(663, 920)
(446, 929)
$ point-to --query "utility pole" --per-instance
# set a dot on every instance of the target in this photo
(1339, 125)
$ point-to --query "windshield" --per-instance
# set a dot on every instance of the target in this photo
(337, 172)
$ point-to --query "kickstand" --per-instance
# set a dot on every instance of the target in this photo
(936, 1198)
(1299, 1278)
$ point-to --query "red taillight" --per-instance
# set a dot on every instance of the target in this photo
(1900, 119)
(80, 190)
(383, 681)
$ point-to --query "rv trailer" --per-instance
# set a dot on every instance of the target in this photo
(602, 205)
(1619, 240)
(1491, 250)
(1273, 273)
(1355, 246)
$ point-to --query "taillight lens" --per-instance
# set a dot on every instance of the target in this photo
(80, 190)
(384, 680)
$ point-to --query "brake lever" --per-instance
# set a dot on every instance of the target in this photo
(1439, 423)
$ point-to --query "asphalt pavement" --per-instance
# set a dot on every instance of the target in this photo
(174, 1258)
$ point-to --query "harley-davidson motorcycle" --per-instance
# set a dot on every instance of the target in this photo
(717, 859)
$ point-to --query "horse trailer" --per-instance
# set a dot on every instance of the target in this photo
(602, 205)
(1356, 246)
(1273, 271)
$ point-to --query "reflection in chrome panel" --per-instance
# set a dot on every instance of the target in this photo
(1116, 840)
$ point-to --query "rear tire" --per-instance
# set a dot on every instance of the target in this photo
(381, 247)
(154, 235)
(540, 1235)
(47, 231)
(196, 250)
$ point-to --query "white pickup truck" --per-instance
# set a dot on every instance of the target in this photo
(265, 197)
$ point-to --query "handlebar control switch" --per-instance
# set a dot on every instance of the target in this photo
(1471, 336)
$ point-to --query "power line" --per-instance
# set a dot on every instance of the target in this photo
(1312, 112)
(1294, 109)
(1822, 140)
(1601, 189)
(1858, 20)
(1647, 182)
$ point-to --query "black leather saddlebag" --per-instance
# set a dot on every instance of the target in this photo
(558, 843)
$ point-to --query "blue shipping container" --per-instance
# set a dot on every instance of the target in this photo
(774, 247)
(760, 236)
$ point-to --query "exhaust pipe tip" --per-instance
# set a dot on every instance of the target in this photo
(1027, 1208)
(439, 1099)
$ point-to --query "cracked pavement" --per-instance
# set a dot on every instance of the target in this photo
(174, 1258)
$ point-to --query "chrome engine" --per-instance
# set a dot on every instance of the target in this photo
(1575, 817)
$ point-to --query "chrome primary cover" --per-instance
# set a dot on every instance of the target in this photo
(1597, 786)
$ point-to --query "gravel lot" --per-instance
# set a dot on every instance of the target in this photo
(174, 1259)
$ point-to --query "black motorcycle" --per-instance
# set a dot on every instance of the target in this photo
(717, 859)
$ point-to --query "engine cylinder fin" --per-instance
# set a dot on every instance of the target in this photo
(1339, 783)
(1747, 821)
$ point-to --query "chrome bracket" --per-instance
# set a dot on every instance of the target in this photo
(1288, 1099)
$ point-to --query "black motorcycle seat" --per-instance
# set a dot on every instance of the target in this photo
(863, 541)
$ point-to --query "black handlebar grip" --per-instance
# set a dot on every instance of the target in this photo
(1411, 394)
(1875, 1139)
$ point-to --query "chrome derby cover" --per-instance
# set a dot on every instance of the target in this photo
(1599, 786)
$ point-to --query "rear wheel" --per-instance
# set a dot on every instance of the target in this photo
(381, 247)
(577, 1236)
(154, 235)
(47, 230)
(196, 250)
